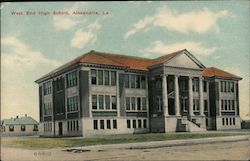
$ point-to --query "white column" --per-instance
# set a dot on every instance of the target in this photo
(190, 96)
(165, 94)
(177, 99)
(201, 96)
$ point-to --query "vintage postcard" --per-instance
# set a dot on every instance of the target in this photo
(145, 80)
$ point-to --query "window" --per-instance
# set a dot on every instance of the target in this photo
(71, 79)
(101, 124)
(138, 103)
(59, 85)
(95, 124)
(93, 76)
(47, 88)
(113, 102)
(143, 81)
(222, 86)
(127, 81)
(226, 121)
(134, 123)
(159, 103)
(233, 121)
(77, 125)
(47, 109)
(127, 103)
(232, 87)
(138, 81)
(35, 128)
(132, 77)
(108, 124)
(158, 84)
(133, 103)
(225, 104)
(204, 86)
(128, 124)
(205, 105)
(139, 124)
(195, 84)
(23, 128)
(11, 128)
(94, 102)
(230, 121)
(222, 105)
(233, 105)
(144, 123)
(113, 78)
(101, 106)
(196, 106)
(68, 125)
(225, 87)
(114, 124)
(106, 77)
(223, 121)
(100, 77)
(72, 103)
(107, 102)
(144, 103)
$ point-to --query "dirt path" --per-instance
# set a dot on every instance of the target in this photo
(218, 151)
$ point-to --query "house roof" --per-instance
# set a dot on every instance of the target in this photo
(19, 121)
(215, 72)
(124, 61)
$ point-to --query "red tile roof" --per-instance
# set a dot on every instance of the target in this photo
(131, 62)
(215, 72)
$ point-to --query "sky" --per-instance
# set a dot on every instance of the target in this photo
(36, 39)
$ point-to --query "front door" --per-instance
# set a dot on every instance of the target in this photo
(60, 128)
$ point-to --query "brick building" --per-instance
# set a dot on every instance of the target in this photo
(101, 93)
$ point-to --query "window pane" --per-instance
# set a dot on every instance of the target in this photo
(127, 103)
(139, 124)
(127, 81)
(100, 77)
(132, 77)
(108, 124)
(138, 103)
(95, 124)
(134, 123)
(107, 102)
(93, 76)
(113, 102)
(101, 102)
(133, 103)
(128, 124)
(144, 103)
(144, 123)
(114, 124)
(113, 78)
(106, 75)
(143, 81)
(138, 81)
(101, 124)
(94, 102)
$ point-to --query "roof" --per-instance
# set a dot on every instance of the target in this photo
(123, 61)
(19, 121)
(215, 72)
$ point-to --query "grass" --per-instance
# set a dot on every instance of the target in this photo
(34, 142)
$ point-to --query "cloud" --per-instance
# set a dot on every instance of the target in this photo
(82, 38)
(21, 56)
(197, 48)
(20, 67)
(85, 36)
(64, 23)
(200, 21)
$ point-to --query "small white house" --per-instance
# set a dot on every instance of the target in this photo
(19, 126)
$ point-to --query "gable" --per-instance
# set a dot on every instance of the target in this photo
(185, 60)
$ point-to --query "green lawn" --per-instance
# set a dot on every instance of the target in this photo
(36, 142)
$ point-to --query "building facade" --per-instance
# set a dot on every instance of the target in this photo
(19, 126)
(100, 93)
